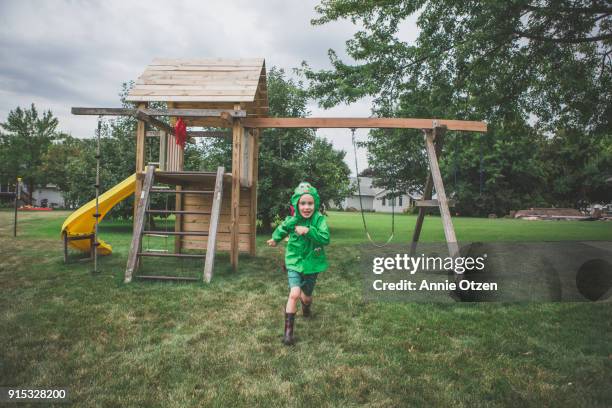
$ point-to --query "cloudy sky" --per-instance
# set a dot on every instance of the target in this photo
(60, 54)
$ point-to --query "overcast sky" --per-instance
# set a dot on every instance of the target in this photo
(60, 54)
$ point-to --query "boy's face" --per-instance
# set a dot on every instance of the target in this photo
(306, 205)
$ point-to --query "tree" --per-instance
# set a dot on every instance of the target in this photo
(56, 163)
(578, 168)
(27, 139)
(521, 66)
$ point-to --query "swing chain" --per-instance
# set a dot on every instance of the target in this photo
(365, 227)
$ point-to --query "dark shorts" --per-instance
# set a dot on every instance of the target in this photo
(306, 282)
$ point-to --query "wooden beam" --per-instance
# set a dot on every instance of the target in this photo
(139, 221)
(236, 162)
(227, 118)
(140, 158)
(253, 206)
(211, 245)
(421, 217)
(103, 111)
(436, 175)
(185, 113)
(368, 123)
(141, 115)
(163, 157)
(427, 192)
(197, 133)
(211, 133)
(178, 198)
(208, 122)
(246, 151)
(197, 113)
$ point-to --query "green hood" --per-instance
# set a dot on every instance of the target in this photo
(305, 188)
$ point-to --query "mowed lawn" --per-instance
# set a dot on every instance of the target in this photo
(185, 344)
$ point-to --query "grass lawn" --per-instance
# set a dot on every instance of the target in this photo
(185, 344)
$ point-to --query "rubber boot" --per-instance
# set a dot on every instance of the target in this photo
(306, 309)
(288, 339)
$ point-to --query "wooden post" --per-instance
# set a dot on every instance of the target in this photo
(421, 217)
(254, 180)
(162, 150)
(449, 231)
(65, 238)
(427, 191)
(209, 262)
(92, 247)
(139, 221)
(140, 156)
(17, 198)
(237, 130)
(177, 165)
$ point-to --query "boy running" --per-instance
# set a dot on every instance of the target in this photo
(304, 255)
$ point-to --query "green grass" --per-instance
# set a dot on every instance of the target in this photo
(177, 345)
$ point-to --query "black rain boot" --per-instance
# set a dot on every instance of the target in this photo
(288, 339)
(306, 309)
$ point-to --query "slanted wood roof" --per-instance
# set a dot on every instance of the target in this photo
(205, 83)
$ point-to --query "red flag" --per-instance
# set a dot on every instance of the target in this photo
(180, 131)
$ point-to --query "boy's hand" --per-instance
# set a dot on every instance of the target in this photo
(271, 242)
(301, 230)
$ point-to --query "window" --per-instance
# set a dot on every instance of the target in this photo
(400, 201)
(384, 202)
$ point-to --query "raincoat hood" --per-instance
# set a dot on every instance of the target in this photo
(305, 188)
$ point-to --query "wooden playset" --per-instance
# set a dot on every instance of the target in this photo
(218, 210)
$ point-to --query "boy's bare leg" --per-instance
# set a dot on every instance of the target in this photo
(294, 295)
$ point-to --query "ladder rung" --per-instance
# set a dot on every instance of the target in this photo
(179, 278)
(195, 233)
(157, 250)
(176, 212)
(163, 190)
(171, 255)
(158, 235)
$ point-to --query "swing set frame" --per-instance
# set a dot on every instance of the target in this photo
(433, 134)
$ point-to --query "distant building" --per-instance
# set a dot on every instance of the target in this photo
(374, 198)
(48, 196)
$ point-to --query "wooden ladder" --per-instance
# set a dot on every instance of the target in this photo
(139, 228)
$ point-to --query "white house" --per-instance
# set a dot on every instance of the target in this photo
(48, 196)
(373, 198)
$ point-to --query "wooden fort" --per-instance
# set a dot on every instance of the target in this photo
(217, 210)
(227, 89)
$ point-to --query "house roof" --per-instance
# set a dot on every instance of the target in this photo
(368, 190)
(365, 186)
(208, 80)
(413, 194)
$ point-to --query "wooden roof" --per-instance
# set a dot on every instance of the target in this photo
(205, 83)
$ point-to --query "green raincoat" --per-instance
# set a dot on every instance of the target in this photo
(304, 253)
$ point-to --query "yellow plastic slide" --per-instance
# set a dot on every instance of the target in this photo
(82, 221)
